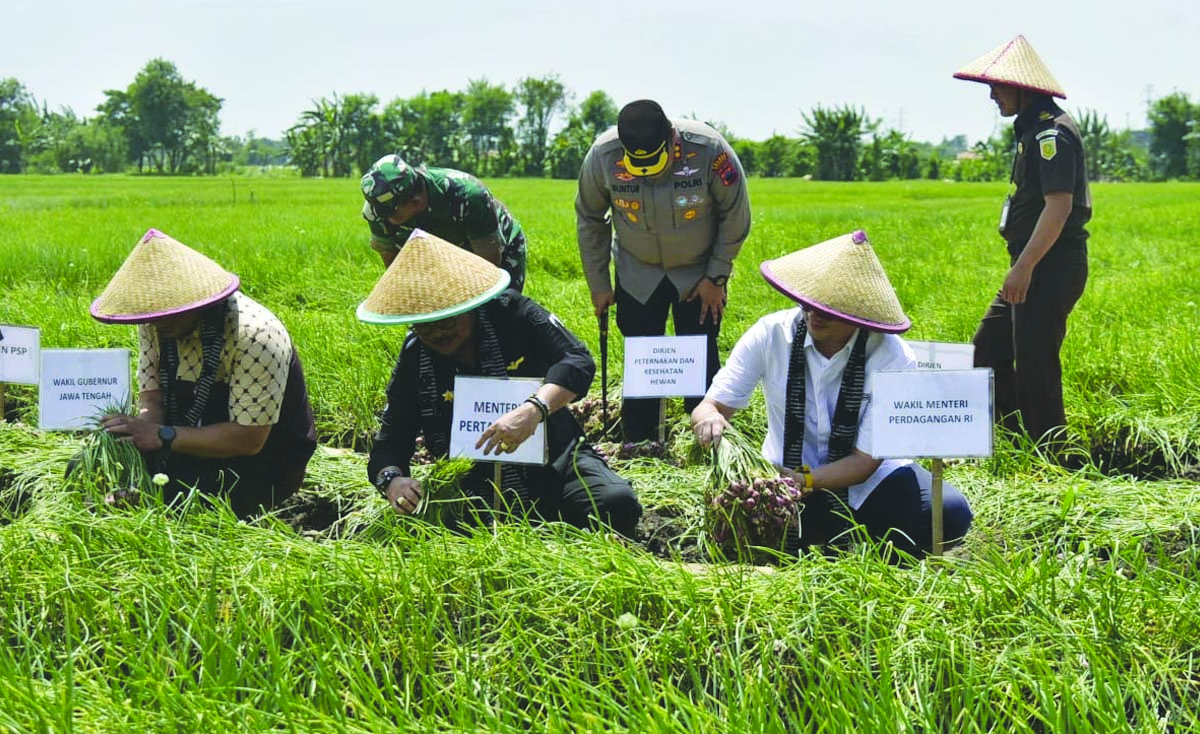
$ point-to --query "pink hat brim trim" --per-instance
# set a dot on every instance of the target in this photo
(831, 312)
(229, 290)
(1030, 87)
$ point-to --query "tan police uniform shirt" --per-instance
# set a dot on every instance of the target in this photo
(687, 222)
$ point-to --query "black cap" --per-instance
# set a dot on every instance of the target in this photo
(645, 132)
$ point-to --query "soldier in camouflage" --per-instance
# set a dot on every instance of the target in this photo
(451, 204)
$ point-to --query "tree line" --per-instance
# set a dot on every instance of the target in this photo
(162, 123)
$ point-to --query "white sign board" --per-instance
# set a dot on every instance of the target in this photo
(19, 352)
(78, 384)
(938, 414)
(665, 366)
(943, 355)
(478, 403)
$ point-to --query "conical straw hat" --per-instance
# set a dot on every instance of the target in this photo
(841, 278)
(431, 279)
(160, 278)
(1014, 63)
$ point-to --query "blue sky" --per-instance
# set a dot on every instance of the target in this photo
(755, 66)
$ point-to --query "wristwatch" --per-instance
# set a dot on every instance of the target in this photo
(385, 479)
(719, 280)
(166, 434)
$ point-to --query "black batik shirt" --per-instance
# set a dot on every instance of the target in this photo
(534, 344)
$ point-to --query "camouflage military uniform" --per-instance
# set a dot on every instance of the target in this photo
(460, 210)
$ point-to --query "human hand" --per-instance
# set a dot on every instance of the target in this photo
(404, 495)
(1016, 284)
(142, 433)
(510, 430)
(709, 427)
(712, 300)
(802, 480)
(602, 301)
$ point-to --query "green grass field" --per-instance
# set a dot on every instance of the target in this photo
(1072, 607)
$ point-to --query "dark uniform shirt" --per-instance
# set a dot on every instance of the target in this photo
(534, 344)
(460, 210)
(1049, 159)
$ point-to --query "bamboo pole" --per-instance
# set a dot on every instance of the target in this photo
(936, 491)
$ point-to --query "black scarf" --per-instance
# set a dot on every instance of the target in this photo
(845, 417)
(436, 411)
(212, 345)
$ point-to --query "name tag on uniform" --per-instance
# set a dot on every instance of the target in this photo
(1004, 213)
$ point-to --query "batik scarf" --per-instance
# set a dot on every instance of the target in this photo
(845, 416)
(212, 345)
(436, 411)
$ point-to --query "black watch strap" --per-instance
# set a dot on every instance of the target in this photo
(718, 280)
(385, 478)
(166, 434)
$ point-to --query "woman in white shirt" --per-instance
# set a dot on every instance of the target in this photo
(813, 363)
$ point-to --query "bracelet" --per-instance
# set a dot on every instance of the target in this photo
(540, 405)
(806, 471)
(384, 480)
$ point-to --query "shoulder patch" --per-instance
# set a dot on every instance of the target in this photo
(725, 169)
(1048, 146)
(1050, 133)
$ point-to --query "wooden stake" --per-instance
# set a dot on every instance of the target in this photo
(497, 480)
(936, 491)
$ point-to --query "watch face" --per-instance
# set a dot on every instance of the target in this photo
(166, 433)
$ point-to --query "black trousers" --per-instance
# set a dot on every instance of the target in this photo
(898, 510)
(250, 486)
(1021, 344)
(577, 487)
(639, 416)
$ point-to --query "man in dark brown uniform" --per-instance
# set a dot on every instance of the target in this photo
(1042, 222)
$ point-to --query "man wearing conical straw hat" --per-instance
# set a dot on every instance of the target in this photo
(813, 363)
(466, 321)
(1042, 222)
(223, 403)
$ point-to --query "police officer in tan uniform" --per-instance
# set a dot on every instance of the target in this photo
(666, 199)
(1042, 222)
